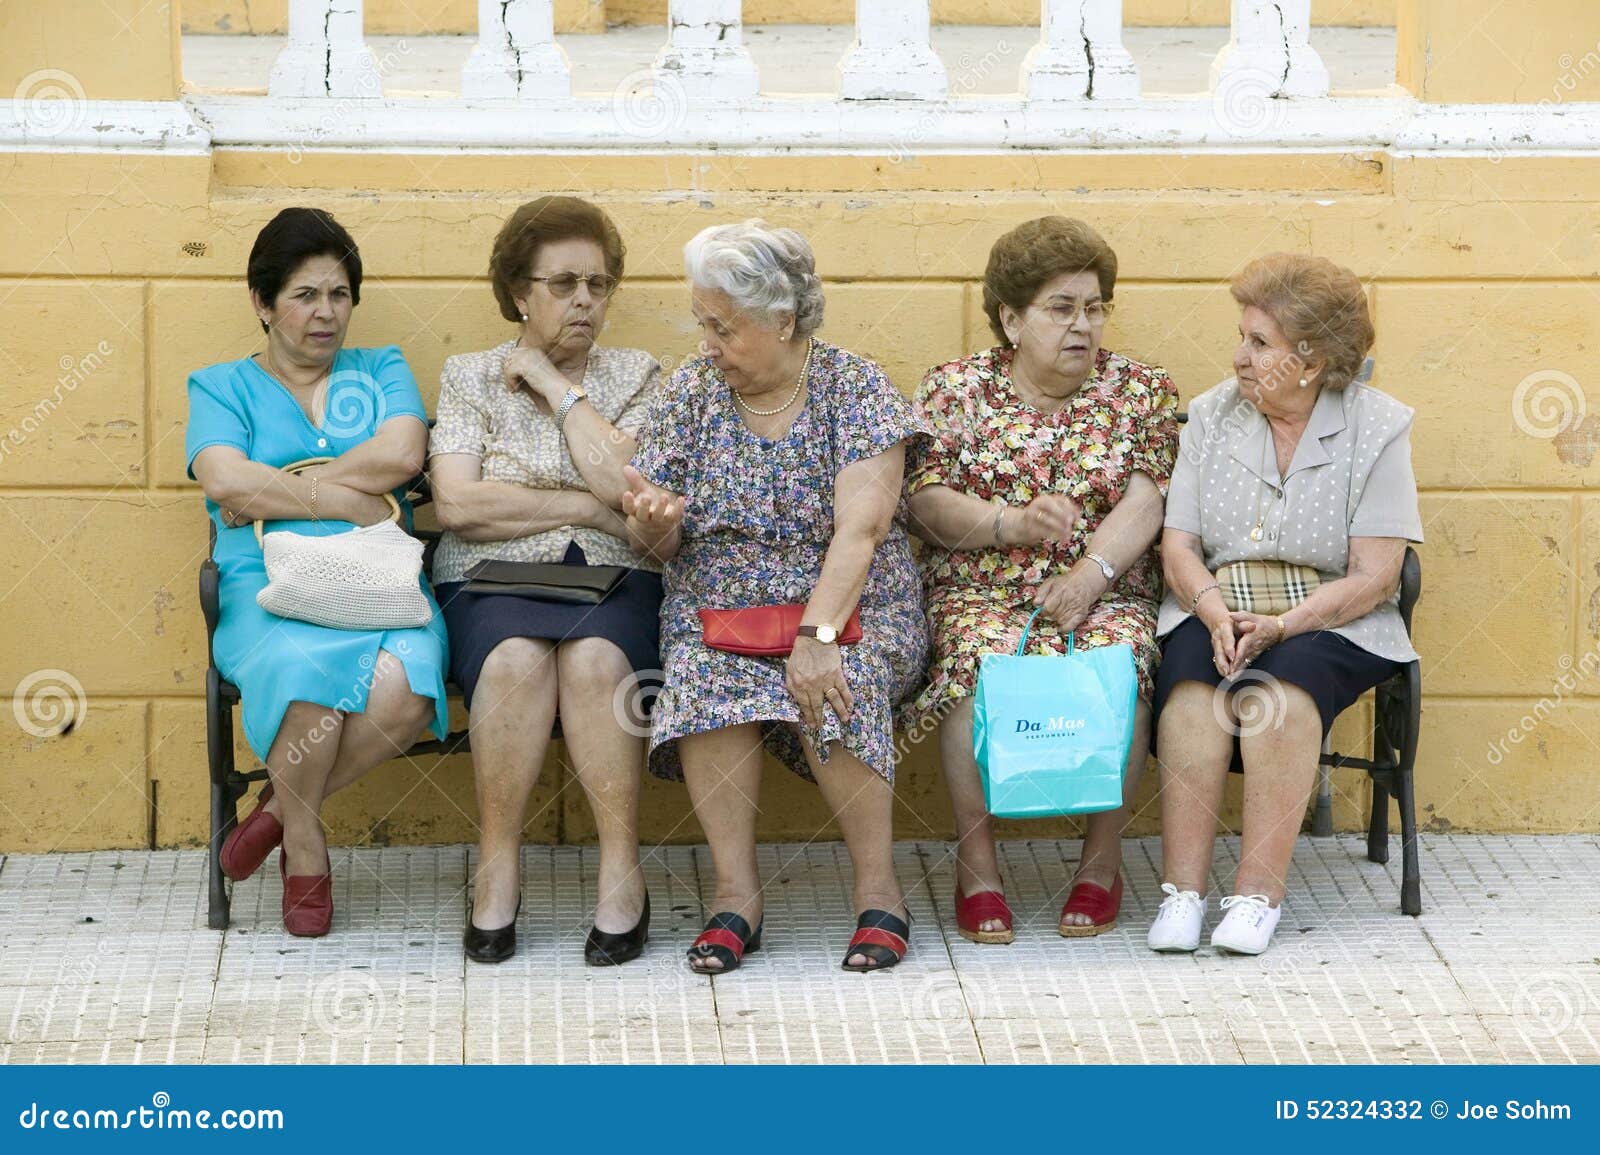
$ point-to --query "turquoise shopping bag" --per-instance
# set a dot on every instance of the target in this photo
(1051, 734)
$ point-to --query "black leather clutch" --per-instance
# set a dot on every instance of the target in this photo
(582, 585)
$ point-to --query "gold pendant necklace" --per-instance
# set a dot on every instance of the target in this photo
(1261, 505)
(798, 385)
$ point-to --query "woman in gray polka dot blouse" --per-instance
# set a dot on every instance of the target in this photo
(1291, 463)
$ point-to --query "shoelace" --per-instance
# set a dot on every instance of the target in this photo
(1176, 898)
(1255, 905)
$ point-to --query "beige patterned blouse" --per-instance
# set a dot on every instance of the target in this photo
(518, 443)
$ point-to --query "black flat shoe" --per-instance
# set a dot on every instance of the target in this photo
(491, 946)
(604, 949)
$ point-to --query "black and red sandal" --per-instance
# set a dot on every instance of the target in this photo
(880, 936)
(726, 938)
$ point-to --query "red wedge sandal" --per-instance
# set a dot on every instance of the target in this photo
(973, 910)
(1098, 903)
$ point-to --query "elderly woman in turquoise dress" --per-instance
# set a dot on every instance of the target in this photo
(321, 707)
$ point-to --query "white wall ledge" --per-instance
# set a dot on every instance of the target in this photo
(666, 122)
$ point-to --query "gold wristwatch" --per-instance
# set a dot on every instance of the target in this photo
(825, 634)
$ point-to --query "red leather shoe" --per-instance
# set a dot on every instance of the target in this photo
(973, 910)
(249, 843)
(307, 901)
(1098, 903)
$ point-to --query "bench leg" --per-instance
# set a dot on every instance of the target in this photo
(1378, 824)
(219, 756)
(1322, 816)
(1410, 868)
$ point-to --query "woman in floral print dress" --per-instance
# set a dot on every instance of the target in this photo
(1044, 490)
(770, 472)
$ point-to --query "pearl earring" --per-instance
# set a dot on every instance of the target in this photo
(1304, 383)
(525, 317)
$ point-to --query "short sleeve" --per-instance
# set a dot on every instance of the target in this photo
(636, 412)
(215, 418)
(1156, 435)
(397, 387)
(937, 458)
(872, 417)
(462, 424)
(1183, 489)
(1387, 504)
(666, 434)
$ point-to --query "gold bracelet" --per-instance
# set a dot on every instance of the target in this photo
(1283, 629)
(999, 514)
(1194, 604)
(314, 515)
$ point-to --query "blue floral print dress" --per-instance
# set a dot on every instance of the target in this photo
(757, 525)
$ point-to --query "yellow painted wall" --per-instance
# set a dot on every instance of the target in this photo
(1487, 50)
(459, 17)
(1483, 272)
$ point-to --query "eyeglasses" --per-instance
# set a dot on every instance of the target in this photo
(600, 285)
(1064, 313)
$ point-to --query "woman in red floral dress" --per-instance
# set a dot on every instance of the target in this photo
(1045, 489)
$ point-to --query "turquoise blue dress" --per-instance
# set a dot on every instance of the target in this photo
(275, 661)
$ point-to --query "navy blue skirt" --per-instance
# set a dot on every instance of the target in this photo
(1331, 669)
(630, 618)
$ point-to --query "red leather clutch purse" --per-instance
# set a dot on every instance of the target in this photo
(764, 631)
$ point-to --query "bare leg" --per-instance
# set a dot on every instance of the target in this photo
(298, 764)
(513, 710)
(862, 802)
(608, 761)
(723, 772)
(394, 719)
(977, 869)
(1280, 769)
(1102, 840)
(1193, 751)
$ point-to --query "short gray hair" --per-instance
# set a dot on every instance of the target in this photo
(762, 270)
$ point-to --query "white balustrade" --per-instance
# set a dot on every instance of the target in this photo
(891, 58)
(517, 54)
(1270, 51)
(1080, 54)
(326, 54)
(705, 56)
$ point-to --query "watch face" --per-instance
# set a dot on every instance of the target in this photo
(826, 635)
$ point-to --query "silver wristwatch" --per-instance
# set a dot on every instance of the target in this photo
(1105, 567)
(574, 395)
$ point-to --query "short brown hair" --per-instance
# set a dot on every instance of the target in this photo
(1320, 306)
(1035, 253)
(541, 222)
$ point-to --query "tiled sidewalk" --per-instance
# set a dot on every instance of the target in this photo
(106, 958)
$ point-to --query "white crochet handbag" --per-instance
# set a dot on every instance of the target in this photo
(362, 579)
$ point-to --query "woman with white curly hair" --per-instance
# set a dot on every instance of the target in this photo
(768, 479)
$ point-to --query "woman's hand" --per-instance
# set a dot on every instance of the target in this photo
(1224, 643)
(1048, 517)
(652, 512)
(531, 370)
(1068, 597)
(814, 675)
(1256, 633)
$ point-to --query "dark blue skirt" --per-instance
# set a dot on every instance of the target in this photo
(630, 618)
(1331, 669)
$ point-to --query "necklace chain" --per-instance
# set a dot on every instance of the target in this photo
(798, 385)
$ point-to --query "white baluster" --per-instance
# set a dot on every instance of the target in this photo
(705, 53)
(517, 54)
(1271, 49)
(1080, 54)
(891, 58)
(326, 55)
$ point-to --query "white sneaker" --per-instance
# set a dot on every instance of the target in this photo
(1248, 925)
(1178, 922)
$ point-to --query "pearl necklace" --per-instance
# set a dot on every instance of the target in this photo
(798, 385)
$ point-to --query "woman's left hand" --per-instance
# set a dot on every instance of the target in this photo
(531, 370)
(814, 675)
(1068, 597)
(1257, 633)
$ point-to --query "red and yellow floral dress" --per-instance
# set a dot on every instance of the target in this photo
(994, 445)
